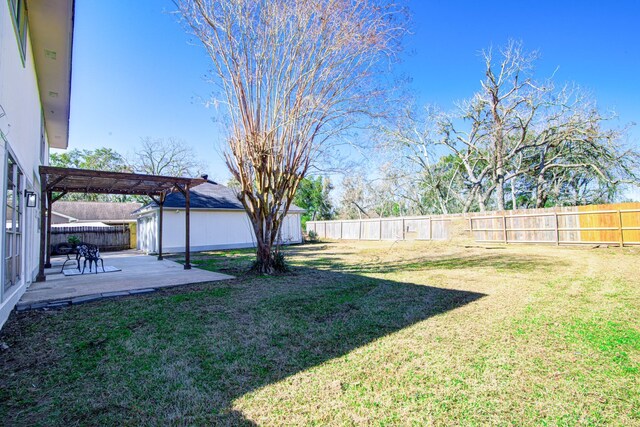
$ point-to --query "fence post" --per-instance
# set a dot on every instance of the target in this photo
(403, 230)
(504, 228)
(620, 229)
(380, 235)
(360, 229)
(340, 230)
(557, 228)
(430, 228)
(471, 227)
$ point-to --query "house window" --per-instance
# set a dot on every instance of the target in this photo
(19, 15)
(13, 225)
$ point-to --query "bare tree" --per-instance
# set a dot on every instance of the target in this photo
(355, 201)
(429, 184)
(170, 156)
(292, 75)
(516, 135)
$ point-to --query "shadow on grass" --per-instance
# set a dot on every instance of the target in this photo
(373, 264)
(184, 356)
(238, 262)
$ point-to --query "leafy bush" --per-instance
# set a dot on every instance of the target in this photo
(280, 263)
(73, 240)
(312, 236)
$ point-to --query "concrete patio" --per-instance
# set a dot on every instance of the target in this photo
(139, 274)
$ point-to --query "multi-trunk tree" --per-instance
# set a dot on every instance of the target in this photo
(518, 137)
(291, 76)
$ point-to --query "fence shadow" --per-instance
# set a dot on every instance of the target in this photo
(214, 343)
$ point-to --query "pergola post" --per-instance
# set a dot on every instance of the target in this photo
(161, 215)
(187, 242)
(49, 203)
(43, 225)
(71, 180)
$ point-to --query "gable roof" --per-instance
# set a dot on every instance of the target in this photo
(208, 195)
(95, 211)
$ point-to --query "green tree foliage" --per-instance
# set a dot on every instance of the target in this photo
(313, 197)
(104, 159)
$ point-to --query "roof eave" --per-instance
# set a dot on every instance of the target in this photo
(51, 24)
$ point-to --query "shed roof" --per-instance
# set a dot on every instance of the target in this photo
(96, 211)
(209, 195)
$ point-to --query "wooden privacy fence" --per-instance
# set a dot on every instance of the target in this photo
(615, 224)
(114, 238)
(404, 228)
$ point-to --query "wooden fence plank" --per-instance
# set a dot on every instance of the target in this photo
(114, 238)
(616, 224)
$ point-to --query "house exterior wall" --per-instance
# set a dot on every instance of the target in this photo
(210, 230)
(20, 138)
(58, 219)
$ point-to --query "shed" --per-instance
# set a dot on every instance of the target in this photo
(218, 221)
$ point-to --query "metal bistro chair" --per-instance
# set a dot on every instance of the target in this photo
(67, 250)
(90, 253)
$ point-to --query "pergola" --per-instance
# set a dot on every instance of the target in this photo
(68, 180)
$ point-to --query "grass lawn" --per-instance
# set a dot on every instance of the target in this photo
(380, 333)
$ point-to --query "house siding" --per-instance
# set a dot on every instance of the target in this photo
(210, 230)
(20, 137)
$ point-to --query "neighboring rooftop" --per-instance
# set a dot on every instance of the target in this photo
(96, 211)
(209, 195)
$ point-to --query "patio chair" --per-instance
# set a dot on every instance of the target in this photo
(67, 250)
(90, 253)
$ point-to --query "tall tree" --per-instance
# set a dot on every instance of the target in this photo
(99, 159)
(293, 75)
(166, 156)
(313, 196)
(517, 134)
(356, 201)
(105, 159)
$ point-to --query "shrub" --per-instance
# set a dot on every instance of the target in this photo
(312, 236)
(280, 263)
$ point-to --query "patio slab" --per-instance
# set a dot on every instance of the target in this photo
(139, 274)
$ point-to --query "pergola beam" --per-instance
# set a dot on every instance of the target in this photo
(98, 190)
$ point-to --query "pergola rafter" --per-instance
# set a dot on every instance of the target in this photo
(69, 180)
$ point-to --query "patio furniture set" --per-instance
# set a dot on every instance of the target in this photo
(89, 252)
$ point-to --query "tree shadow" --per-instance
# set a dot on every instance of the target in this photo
(210, 344)
(373, 263)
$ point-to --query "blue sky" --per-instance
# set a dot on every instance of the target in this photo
(137, 73)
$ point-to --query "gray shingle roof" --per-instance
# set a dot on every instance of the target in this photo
(209, 195)
(96, 211)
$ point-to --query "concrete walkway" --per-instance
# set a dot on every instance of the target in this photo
(139, 274)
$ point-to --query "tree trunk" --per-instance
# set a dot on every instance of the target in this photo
(482, 202)
(500, 189)
(263, 226)
(541, 199)
(264, 259)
